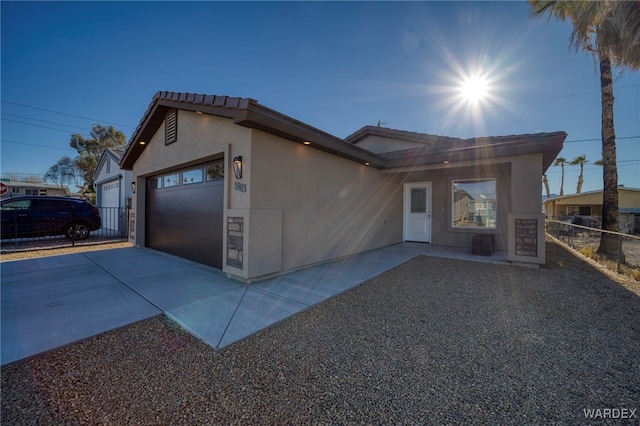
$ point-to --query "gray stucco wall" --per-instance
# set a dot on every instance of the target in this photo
(331, 207)
(442, 231)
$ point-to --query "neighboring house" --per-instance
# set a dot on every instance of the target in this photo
(231, 183)
(113, 190)
(17, 189)
(590, 204)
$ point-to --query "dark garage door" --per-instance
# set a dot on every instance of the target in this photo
(185, 213)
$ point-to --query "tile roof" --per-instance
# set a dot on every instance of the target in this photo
(245, 112)
(437, 149)
(249, 113)
(422, 138)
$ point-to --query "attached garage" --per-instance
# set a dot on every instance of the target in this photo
(184, 214)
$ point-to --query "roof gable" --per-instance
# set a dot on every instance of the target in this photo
(244, 112)
(114, 154)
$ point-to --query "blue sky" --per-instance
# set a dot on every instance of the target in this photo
(337, 66)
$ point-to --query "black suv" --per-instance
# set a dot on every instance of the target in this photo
(42, 215)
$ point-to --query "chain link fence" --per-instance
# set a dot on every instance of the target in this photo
(586, 240)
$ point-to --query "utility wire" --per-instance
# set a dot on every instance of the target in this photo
(506, 106)
(69, 115)
(35, 144)
(634, 163)
(43, 121)
(38, 125)
(599, 139)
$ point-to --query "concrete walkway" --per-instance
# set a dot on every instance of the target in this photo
(54, 301)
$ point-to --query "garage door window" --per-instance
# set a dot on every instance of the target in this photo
(171, 180)
(155, 183)
(215, 171)
(195, 175)
(192, 176)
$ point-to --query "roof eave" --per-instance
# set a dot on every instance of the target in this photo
(250, 114)
(270, 121)
(549, 144)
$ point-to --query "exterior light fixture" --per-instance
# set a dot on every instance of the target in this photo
(142, 143)
(237, 166)
(133, 187)
(306, 143)
(367, 163)
(446, 161)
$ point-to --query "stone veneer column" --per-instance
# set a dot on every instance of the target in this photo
(235, 239)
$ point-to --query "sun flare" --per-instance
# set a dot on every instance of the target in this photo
(474, 89)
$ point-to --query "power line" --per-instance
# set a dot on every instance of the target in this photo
(69, 115)
(43, 121)
(599, 139)
(634, 163)
(38, 125)
(34, 144)
(508, 105)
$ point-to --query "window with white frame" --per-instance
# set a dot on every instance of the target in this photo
(474, 203)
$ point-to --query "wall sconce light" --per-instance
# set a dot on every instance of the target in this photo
(133, 187)
(237, 166)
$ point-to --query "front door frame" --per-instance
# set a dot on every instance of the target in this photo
(406, 213)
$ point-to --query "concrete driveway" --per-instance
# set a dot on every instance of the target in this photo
(54, 301)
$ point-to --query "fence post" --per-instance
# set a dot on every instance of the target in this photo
(618, 256)
(73, 225)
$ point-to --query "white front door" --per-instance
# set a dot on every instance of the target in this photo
(417, 212)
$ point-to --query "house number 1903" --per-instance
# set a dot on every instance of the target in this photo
(242, 187)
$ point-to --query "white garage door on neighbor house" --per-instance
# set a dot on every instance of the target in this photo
(109, 205)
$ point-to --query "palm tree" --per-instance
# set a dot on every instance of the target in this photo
(610, 31)
(560, 161)
(581, 160)
(545, 182)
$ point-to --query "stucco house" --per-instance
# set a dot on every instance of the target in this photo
(113, 190)
(233, 184)
(590, 204)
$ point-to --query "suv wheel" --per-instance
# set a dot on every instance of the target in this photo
(77, 231)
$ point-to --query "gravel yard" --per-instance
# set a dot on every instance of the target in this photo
(433, 341)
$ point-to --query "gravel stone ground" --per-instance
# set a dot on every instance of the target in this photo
(433, 341)
(30, 254)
